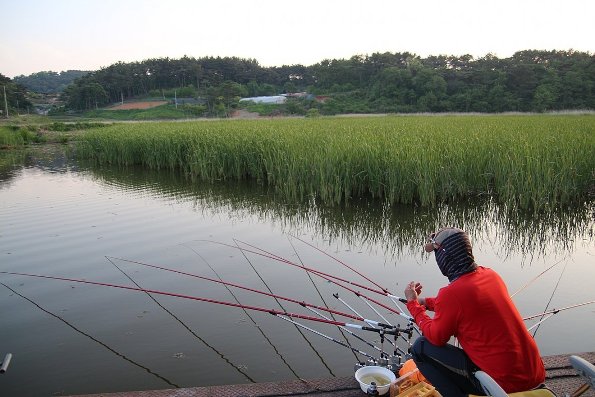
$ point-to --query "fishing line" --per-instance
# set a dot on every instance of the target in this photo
(246, 312)
(282, 308)
(239, 286)
(389, 330)
(551, 297)
(343, 263)
(536, 277)
(327, 277)
(341, 329)
(95, 339)
(237, 368)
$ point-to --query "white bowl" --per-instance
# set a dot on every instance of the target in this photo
(363, 375)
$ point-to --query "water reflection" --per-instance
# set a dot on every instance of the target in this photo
(398, 229)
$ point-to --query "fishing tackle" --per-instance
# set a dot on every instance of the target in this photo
(550, 313)
(388, 329)
(301, 303)
(328, 277)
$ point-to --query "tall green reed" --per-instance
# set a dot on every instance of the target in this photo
(526, 161)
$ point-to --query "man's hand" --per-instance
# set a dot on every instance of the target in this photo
(413, 289)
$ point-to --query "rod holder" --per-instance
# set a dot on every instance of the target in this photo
(5, 363)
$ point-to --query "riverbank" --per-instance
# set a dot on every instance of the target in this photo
(560, 377)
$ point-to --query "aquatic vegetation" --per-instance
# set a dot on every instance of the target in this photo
(526, 161)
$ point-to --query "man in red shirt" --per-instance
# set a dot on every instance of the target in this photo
(475, 308)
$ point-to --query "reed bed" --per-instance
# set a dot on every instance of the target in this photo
(527, 161)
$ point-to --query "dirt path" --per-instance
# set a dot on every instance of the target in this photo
(138, 105)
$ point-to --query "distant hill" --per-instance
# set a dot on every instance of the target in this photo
(49, 82)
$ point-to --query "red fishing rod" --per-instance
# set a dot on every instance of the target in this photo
(344, 264)
(301, 303)
(328, 277)
(270, 255)
(385, 329)
(391, 296)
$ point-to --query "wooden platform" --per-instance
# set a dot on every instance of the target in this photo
(560, 377)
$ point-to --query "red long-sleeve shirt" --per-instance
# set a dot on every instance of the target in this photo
(477, 310)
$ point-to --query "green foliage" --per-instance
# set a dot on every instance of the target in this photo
(164, 112)
(312, 113)
(523, 161)
(77, 126)
(529, 81)
(264, 109)
(15, 98)
(179, 92)
(9, 137)
(49, 82)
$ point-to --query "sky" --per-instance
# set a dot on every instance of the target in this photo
(59, 35)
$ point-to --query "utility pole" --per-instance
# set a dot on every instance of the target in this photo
(5, 102)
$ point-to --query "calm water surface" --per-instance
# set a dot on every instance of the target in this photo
(61, 219)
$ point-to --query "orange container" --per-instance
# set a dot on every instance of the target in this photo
(421, 389)
(411, 383)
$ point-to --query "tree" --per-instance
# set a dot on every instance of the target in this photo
(381, 82)
(16, 98)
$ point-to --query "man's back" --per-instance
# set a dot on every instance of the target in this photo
(477, 309)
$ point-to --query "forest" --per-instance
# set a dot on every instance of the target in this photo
(49, 82)
(528, 81)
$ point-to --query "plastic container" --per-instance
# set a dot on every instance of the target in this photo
(421, 389)
(383, 377)
(411, 385)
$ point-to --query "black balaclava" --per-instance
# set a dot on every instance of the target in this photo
(454, 255)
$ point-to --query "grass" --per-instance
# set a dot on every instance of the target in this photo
(164, 112)
(526, 161)
(24, 132)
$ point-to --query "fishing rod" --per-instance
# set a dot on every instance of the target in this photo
(384, 357)
(550, 300)
(327, 277)
(301, 303)
(326, 337)
(535, 278)
(343, 330)
(348, 331)
(343, 263)
(278, 258)
(384, 290)
(282, 308)
(411, 321)
(556, 311)
(390, 330)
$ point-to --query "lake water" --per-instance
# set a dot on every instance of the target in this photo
(59, 218)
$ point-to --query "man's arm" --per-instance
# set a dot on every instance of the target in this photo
(439, 329)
